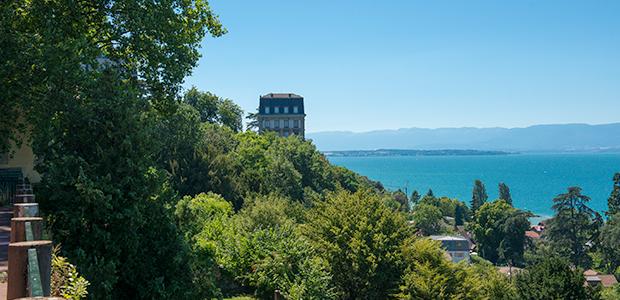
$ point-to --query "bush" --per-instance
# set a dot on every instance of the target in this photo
(66, 282)
(431, 275)
(551, 278)
(360, 237)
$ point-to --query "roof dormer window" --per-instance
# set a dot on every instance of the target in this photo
(276, 110)
(267, 110)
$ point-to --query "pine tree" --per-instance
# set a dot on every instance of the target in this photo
(430, 193)
(504, 193)
(613, 203)
(479, 195)
(573, 226)
(459, 215)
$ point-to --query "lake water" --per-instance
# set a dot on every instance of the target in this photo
(534, 179)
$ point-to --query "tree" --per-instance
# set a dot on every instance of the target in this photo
(499, 231)
(610, 244)
(197, 217)
(261, 249)
(573, 227)
(415, 198)
(613, 203)
(429, 275)
(86, 77)
(513, 244)
(104, 200)
(611, 293)
(552, 278)
(360, 237)
(215, 110)
(428, 219)
(230, 115)
(504, 193)
(252, 123)
(479, 196)
(460, 215)
(430, 193)
(49, 50)
(400, 197)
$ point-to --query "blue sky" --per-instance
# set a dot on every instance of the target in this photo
(367, 65)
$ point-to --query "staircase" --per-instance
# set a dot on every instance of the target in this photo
(5, 231)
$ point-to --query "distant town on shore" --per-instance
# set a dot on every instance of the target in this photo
(411, 152)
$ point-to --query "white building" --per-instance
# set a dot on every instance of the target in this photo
(456, 246)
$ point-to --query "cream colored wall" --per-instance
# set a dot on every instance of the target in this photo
(23, 158)
(291, 118)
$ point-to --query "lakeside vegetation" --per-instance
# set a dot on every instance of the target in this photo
(158, 194)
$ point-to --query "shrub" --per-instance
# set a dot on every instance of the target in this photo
(66, 282)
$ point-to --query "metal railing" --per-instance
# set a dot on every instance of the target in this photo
(34, 275)
(9, 179)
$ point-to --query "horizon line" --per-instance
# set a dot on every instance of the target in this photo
(462, 127)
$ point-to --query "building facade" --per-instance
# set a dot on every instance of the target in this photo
(456, 246)
(16, 164)
(282, 113)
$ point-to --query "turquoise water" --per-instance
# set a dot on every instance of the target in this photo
(534, 179)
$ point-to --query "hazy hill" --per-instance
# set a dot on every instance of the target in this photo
(565, 137)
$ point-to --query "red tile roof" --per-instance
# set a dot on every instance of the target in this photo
(590, 273)
(608, 280)
(532, 234)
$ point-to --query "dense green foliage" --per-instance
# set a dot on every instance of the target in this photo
(360, 237)
(552, 278)
(87, 78)
(574, 227)
(428, 219)
(499, 230)
(479, 196)
(504, 193)
(400, 197)
(415, 197)
(215, 110)
(613, 203)
(609, 244)
(430, 276)
(433, 215)
(159, 194)
(105, 201)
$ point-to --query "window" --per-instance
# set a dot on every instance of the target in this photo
(285, 123)
(286, 109)
(295, 123)
(295, 109)
(276, 110)
(267, 110)
(266, 123)
(276, 123)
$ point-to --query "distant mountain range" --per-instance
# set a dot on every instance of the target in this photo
(538, 138)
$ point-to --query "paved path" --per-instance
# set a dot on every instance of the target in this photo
(5, 232)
